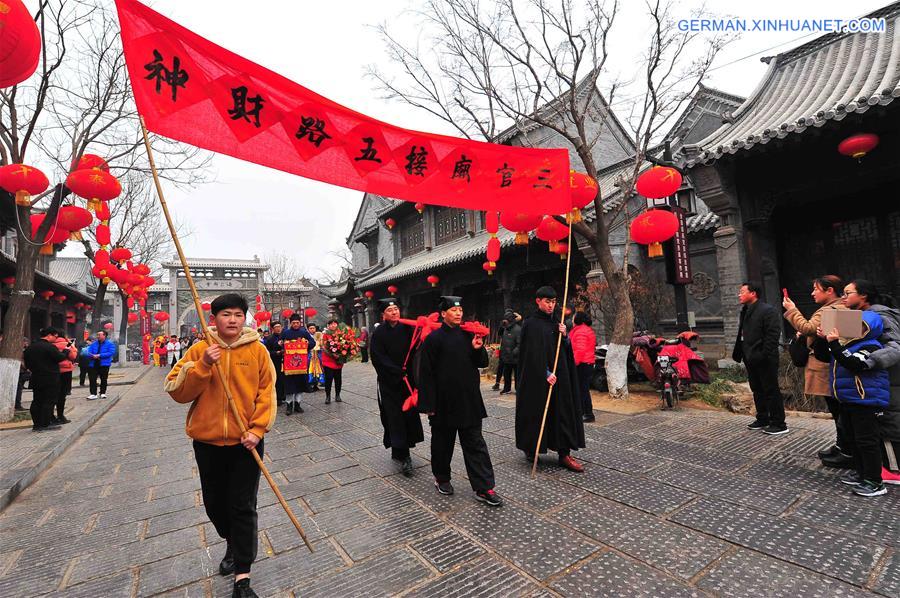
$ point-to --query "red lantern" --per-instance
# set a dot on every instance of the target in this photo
(369, 294)
(392, 289)
(552, 230)
(102, 211)
(9, 280)
(103, 235)
(420, 207)
(390, 223)
(659, 182)
(161, 316)
(520, 224)
(78, 305)
(206, 306)
(857, 146)
(584, 191)
(489, 267)
(120, 254)
(55, 235)
(23, 181)
(20, 44)
(142, 269)
(73, 219)
(652, 228)
(94, 185)
(70, 317)
(493, 250)
(286, 313)
(492, 222)
(108, 326)
(562, 248)
(433, 280)
(60, 298)
(132, 317)
(46, 294)
(89, 161)
(310, 312)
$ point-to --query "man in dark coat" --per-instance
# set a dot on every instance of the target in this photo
(295, 385)
(509, 350)
(757, 346)
(42, 358)
(389, 347)
(564, 428)
(275, 346)
(450, 393)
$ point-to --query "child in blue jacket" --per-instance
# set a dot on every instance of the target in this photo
(864, 394)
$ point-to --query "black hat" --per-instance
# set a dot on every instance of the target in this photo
(295, 317)
(546, 292)
(448, 301)
(383, 304)
(48, 331)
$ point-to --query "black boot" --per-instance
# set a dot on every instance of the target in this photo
(289, 409)
(337, 398)
(406, 467)
(226, 567)
(242, 589)
(327, 398)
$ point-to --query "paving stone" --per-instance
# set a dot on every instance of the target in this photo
(119, 584)
(620, 458)
(283, 536)
(421, 488)
(176, 571)
(746, 573)
(146, 510)
(693, 455)
(677, 550)
(541, 493)
(177, 520)
(834, 554)
(848, 514)
(637, 423)
(447, 550)
(29, 575)
(342, 495)
(640, 493)
(353, 440)
(485, 577)
(401, 527)
(888, 581)
(194, 590)
(612, 575)
(383, 575)
(303, 468)
(760, 495)
(351, 474)
(537, 545)
(387, 502)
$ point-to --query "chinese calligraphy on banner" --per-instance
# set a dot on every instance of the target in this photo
(191, 90)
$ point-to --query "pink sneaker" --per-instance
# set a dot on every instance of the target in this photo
(889, 477)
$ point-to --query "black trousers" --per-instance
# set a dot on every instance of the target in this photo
(864, 436)
(229, 481)
(364, 352)
(585, 371)
(475, 454)
(332, 375)
(763, 378)
(840, 436)
(508, 373)
(43, 399)
(279, 383)
(65, 388)
(84, 364)
(103, 372)
(499, 372)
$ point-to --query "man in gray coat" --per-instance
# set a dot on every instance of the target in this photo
(509, 350)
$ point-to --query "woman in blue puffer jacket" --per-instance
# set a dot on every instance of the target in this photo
(864, 393)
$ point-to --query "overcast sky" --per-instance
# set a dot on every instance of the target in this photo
(326, 46)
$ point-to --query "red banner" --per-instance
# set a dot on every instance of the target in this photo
(191, 90)
(296, 357)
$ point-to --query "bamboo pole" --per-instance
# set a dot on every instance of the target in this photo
(562, 320)
(196, 297)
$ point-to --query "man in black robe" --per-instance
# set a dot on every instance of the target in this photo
(450, 393)
(275, 346)
(296, 385)
(389, 347)
(564, 429)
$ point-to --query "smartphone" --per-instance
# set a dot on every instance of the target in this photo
(784, 292)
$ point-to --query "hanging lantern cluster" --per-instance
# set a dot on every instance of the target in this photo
(23, 181)
(857, 146)
(20, 44)
(93, 182)
(433, 280)
(161, 316)
(492, 226)
(132, 317)
(658, 182)
(55, 234)
(652, 228)
(262, 317)
(519, 223)
(584, 191)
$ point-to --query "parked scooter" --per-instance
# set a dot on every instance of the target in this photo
(668, 380)
(633, 368)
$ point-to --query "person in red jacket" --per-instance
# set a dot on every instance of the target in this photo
(331, 364)
(67, 348)
(584, 343)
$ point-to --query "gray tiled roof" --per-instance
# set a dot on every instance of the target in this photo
(823, 80)
(201, 262)
(70, 270)
(702, 222)
(442, 255)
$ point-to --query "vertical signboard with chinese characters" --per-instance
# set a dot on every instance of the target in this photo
(678, 258)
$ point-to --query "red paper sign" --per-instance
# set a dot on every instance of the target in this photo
(296, 357)
(189, 89)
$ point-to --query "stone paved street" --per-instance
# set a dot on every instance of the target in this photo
(672, 504)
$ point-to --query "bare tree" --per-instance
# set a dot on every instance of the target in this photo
(282, 279)
(79, 100)
(490, 64)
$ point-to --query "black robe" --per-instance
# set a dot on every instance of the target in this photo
(276, 353)
(388, 347)
(449, 381)
(297, 383)
(564, 429)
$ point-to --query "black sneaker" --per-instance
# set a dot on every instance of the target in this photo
(226, 567)
(776, 430)
(831, 451)
(851, 479)
(490, 498)
(588, 418)
(505, 392)
(327, 399)
(445, 488)
(756, 425)
(289, 409)
(839, 461)
(63, 420)
(298, 408)
(407, 469)
(495, 387)
(869, 488)
(337, 399)
(242, 589)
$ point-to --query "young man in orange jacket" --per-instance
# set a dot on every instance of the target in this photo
(229, 475)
